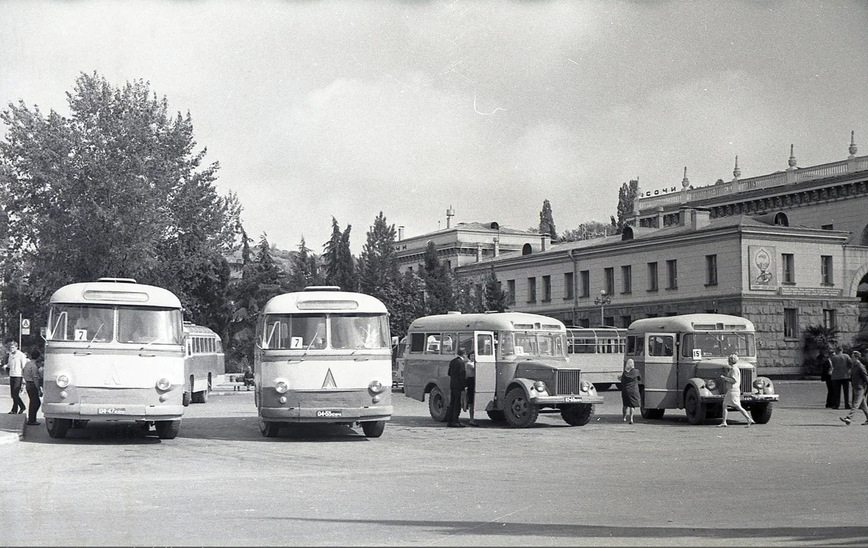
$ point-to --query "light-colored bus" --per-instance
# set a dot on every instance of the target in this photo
(522, 367)
(680, 360)
(323, 356)
(599, 353)
(114, 351)
(204, 359)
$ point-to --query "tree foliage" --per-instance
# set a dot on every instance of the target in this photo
(626, 199)
(440, 297)
(340, 267)
(546, 221)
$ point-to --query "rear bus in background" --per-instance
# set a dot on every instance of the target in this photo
(323, 356)
(681, 359)
(113, 352)
(521, 366)
(599, 353)
(204, 359)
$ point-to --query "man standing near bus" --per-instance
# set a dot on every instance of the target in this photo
(732, 395)
(457, 383)
(17, 360)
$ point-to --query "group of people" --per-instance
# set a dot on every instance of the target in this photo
(25, 374)
(462, 382)
(841, 374)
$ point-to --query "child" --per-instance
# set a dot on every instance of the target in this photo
(629, 390)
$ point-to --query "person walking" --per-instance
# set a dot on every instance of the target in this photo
(457, 384)
(859, 380)
(826, 377)
(30, 374)
(16, 362)
(841, 364)
(629, 390)
(732, 387)
(470, 372)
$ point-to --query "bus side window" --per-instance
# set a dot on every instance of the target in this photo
(433, 343)
(484, 346)
(661, 345)
(448, 344)
(417, 342)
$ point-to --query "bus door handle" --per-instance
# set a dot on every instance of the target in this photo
(142, 354)
(81, 353)
(360, 359)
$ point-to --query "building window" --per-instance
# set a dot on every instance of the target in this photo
(584, 322)
(826, 270)
(627, 279)
(531, 290)
(791, 323)
(830, 319)
(586, 283)
(510, 288)
(711, 270)
(828, 227)
(672, 274)
(547, 289)
(626, 321)
(569, 290)
(652, 277)
(609, 277)
(788, 268)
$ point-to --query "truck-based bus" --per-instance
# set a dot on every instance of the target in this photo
(680, 360)
(599, 353)
(204, 360)
(323, 356)
(522, 368)
(114, 351)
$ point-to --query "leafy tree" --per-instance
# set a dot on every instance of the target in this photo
(378, 270)
(114, 189)
(305, 271)
(407, 302)
(438, 283)
(494, 296)
(626, 199)
(339, 264)
(546, 221)
(586, 231)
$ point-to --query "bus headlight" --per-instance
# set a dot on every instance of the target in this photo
(62, 381)
(281, 387)
(759, 384)
(376, 387)
(711, 384)
(586, 386)
(539, 386)
(164, 384)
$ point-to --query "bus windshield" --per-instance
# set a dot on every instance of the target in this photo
(75, 322)
(532, 344)
(355, 331)
(719, 345)
(149, 325)
(295, 331)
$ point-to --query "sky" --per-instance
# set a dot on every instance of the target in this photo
(322, 109)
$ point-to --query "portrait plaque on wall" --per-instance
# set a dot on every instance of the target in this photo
(763, 268)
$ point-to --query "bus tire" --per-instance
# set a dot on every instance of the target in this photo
(269, 429)
(437, 405)
(167, 430)
(693, 407)
(496, 416)
(761, 412)
(519, 412)
(57, 428)
(577, 415)
(653, 414)
(373, 429)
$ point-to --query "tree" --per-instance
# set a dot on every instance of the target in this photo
(546, 221)
(339, 264)
(586, 231)
(305, 271)
(626, 199)
(494, 296)
(378, 271)
(438, 283)
(114, 189)
(407, 302)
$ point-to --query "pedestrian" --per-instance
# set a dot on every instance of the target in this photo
(629, 390)
(841, 364)
(732, 390)
(15, 364)
(457, 384)
(33, 384)
(859, 380)
(826, 377)
(470, 372)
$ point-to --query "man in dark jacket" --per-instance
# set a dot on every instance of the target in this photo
(457, 382)
(859, 379)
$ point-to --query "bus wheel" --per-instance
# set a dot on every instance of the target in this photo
(577, 415)
(373, 429)
(520, 413)
(167, 430)
(761, 412)
(496, 416)
(269, 429)
(693, 407)
(57, 427)
(437, 405)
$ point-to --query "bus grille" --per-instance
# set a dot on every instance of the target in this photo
(747, 376)
(568, 382)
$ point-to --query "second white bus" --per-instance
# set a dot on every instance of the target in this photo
(599, 353)
(204, 359)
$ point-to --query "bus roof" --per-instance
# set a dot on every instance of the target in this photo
(492, 321)
(692, 322)
(597, 331)
(116, 293)
(193, 329)
(325, 300)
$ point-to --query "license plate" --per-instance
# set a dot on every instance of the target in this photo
(572, 399)
(111, 410)
(328, 413)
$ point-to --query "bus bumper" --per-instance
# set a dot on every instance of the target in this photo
(745, 398)
(565, 400)
(108, 412)
(325, 414)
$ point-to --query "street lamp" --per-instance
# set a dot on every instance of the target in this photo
(602, 300)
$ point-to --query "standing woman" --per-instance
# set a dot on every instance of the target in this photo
(33, 384)
(629, 390)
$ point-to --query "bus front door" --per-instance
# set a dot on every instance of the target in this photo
(659, 373)
(486, 372)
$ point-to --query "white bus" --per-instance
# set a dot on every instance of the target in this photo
(599, 353)
(204, 359)
(114, 352)
(323, 356)
(522, 367)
